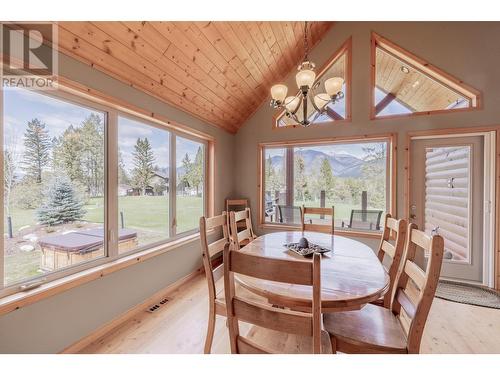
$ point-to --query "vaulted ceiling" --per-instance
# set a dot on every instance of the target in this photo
(217, 71)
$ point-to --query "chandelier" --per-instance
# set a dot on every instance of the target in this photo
(307, 84)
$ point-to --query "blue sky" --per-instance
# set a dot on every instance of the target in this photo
(21, 106)
(393, 108)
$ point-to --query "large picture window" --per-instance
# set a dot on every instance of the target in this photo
(143, 183)
(54, 184)
(190, 167)
(353, 176)
(62, 157)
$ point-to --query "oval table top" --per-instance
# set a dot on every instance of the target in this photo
(351, 274)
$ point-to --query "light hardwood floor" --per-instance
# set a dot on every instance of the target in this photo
(180, 327)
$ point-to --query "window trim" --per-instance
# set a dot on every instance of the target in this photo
(377, 41)
(345, 48)
(390, 138)
(81, 95)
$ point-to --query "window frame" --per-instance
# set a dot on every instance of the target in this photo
(345, 48)
(424, 67)
(390, 138)
(74, 93)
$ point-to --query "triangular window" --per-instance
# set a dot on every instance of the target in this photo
(337, 66)
(404, 84)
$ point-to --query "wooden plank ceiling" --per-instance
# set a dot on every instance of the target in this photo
(219, 72)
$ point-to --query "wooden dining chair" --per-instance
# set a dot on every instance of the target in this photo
(392, 252)
(240, 238)
(300, 325)
(310, 225)
(217, 306)
(210, 252)
(397, 330)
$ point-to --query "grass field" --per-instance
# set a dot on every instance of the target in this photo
(146, 214)
(143, 212)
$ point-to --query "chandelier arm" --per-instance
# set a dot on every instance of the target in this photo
(295, 118)
(298, 105)
(320, 111)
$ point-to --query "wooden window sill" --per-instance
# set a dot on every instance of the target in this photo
(341, 232)
(20, 299)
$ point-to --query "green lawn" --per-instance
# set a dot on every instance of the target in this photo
(145, 213)
(22, 265)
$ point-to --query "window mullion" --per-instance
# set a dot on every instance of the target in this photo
(2, 246)
(172, 225)
(289, 176)
(111, 197)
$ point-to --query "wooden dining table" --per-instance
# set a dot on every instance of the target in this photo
(351, 274)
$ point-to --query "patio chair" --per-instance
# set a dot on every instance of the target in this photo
(364, 219)
(289, 214)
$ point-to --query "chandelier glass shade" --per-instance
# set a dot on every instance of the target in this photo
(296, 107)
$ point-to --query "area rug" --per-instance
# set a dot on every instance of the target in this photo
(468, 294)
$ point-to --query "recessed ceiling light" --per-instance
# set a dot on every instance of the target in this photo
(405, 69)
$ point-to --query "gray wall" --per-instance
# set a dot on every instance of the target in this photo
(466, 50)
(56, 322)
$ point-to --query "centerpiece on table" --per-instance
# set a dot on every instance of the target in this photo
(305, 248)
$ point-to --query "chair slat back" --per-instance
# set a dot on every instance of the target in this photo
(281, 270)
(412, 298)
(318, 226)
(209, 251)
(397, 229)
(244, 236)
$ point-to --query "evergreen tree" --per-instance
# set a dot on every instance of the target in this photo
(144, 159)
(374, 174)
(79, 152)
(123, 177)
(37, 146)
(92, 155)
(62, 204)
(187, 166)
(272, 177)
(196, 175)
(300, 179)
(66, 154)
(326, 178)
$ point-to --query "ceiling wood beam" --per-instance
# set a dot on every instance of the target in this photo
(384, 103)
(333, 114)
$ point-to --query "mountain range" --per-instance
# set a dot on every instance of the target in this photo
(343, 165)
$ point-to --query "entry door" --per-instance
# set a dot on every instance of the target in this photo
(447, 199)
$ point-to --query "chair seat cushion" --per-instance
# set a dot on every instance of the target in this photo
(285, 343)
(373, 326)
